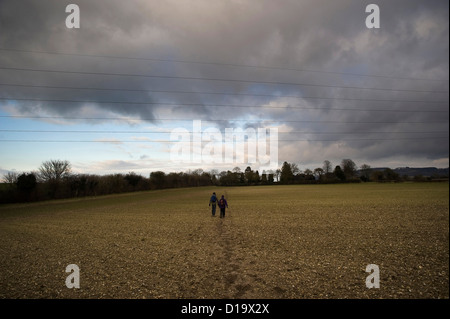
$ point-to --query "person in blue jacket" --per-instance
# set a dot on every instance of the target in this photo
(222, 205)
(212, 204)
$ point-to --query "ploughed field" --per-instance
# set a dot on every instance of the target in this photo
(300, 241)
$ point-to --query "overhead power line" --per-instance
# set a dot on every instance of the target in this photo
(221, 64)
(190, 132)
(289, 107)
(171, 141)
(217, 80)
(216, 120)
(220, 93)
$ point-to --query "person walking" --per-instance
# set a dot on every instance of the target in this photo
(222, 205)
(212, 204)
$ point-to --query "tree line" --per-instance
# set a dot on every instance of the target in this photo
(54, 179)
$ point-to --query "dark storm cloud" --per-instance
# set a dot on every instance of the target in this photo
(328, 36)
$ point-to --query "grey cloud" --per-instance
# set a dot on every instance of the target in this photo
(305, 35)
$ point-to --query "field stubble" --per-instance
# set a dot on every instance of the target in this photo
(275, 242)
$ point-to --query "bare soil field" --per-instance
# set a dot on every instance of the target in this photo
(309, 241)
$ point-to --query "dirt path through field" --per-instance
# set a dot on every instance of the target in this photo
(237, 283)
(240, 269)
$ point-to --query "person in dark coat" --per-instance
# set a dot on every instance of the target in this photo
(213, 203)
(222, 205)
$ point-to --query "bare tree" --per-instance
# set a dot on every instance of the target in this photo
(294, 168)
(10, 178)
(198, 172)
(214, 172)
(318, 172)
(278, 174)
(327, 167)
(54, 170)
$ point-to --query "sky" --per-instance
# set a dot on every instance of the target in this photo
(155, 85)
